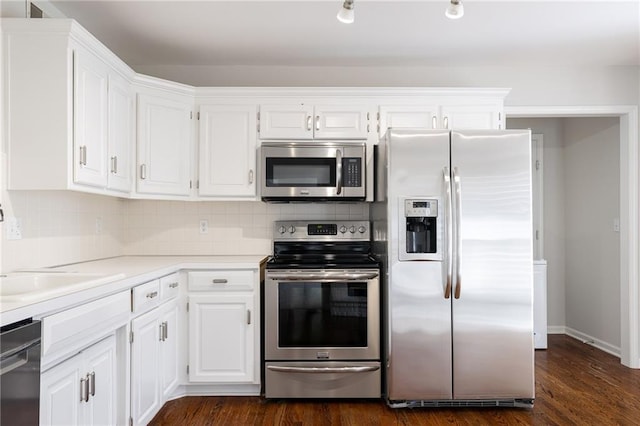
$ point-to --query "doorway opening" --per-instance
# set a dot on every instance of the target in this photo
(616, 249)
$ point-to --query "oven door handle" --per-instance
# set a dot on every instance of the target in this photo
(324, 276)
(358, 369)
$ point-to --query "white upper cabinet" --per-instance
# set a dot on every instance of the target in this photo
(121, 133)
(59, 115)
(164, 145)
(91, 77)
(473, 109)
(408, 117)
(300, 121)
(462, 117)
(227, 156)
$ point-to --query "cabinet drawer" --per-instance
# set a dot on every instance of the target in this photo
(145, 296)
(169, 287)
(221, 280)
(66, 330)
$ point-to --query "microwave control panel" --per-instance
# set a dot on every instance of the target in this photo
(352, 172)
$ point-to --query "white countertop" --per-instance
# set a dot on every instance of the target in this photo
(127, 271)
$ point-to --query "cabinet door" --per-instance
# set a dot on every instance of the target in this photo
(121, 135)
(408, 117)
(90, 119)
(221, 338)
(286, 121)
(145, 366)
(341, 122)
(60, 393)
(463, 117)
(100, 366)
(169, 349)
(164, 145)
(228, 150)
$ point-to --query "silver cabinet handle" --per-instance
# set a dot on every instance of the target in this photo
(339, 171)
(457, 231)
(83, 155)
(152, 294)
(114, 165)
(309, 123)
(174, 285)
(92, 383)
(219, 281)
(317, 122)
(434, 122)
(358, 369)
(251, 176)
(248, 316)
(143, 171)
(83, 391)
(448, 229)
(446, 122)
(166, 331)
(161, 328)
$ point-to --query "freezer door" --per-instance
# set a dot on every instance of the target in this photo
(419, 312)
(419, 362)
(493, 277)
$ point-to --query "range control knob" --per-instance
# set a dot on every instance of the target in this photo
(361, 229)
(282, 230)
(352, 229)
(292, 229)
(343, 229)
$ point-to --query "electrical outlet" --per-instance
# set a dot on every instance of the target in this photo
(204, 226)
(14, 228)
(98, 225)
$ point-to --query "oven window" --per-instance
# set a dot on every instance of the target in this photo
(322, 314)
(301, 172)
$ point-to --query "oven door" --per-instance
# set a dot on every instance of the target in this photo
(322, 315)
(298, 171)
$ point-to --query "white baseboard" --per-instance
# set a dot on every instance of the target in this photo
(590, 340)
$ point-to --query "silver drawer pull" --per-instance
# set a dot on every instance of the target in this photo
(173, 285)
(356, 369)
(92, 383)
(152, 294)
(219, 281)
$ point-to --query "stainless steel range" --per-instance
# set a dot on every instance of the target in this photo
(322, 312)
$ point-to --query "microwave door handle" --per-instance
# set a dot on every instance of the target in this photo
(339, 171)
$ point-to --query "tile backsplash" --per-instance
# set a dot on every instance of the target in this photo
(172, 227)
(60, 227)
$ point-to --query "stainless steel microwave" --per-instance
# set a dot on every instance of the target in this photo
(313, 172)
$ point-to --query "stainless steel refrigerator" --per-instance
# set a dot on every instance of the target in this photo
(453, 229)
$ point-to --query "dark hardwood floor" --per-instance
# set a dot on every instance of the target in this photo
(576, 384)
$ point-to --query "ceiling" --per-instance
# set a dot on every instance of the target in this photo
(385, 33)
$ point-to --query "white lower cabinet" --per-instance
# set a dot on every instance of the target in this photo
(221, 338)
(224, 328)
(154, 356)
(82, 389)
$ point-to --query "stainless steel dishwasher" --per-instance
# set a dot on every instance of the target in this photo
(20, 373)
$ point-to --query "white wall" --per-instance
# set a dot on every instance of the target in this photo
(554, 210)
(546, 85)
(592, 189)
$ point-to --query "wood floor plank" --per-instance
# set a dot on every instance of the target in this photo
(576, 384)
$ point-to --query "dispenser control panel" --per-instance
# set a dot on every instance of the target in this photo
(421, 208)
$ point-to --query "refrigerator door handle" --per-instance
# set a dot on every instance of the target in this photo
(448, 230)
(458, 239)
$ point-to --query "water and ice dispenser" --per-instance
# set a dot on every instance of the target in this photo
(419, 238)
